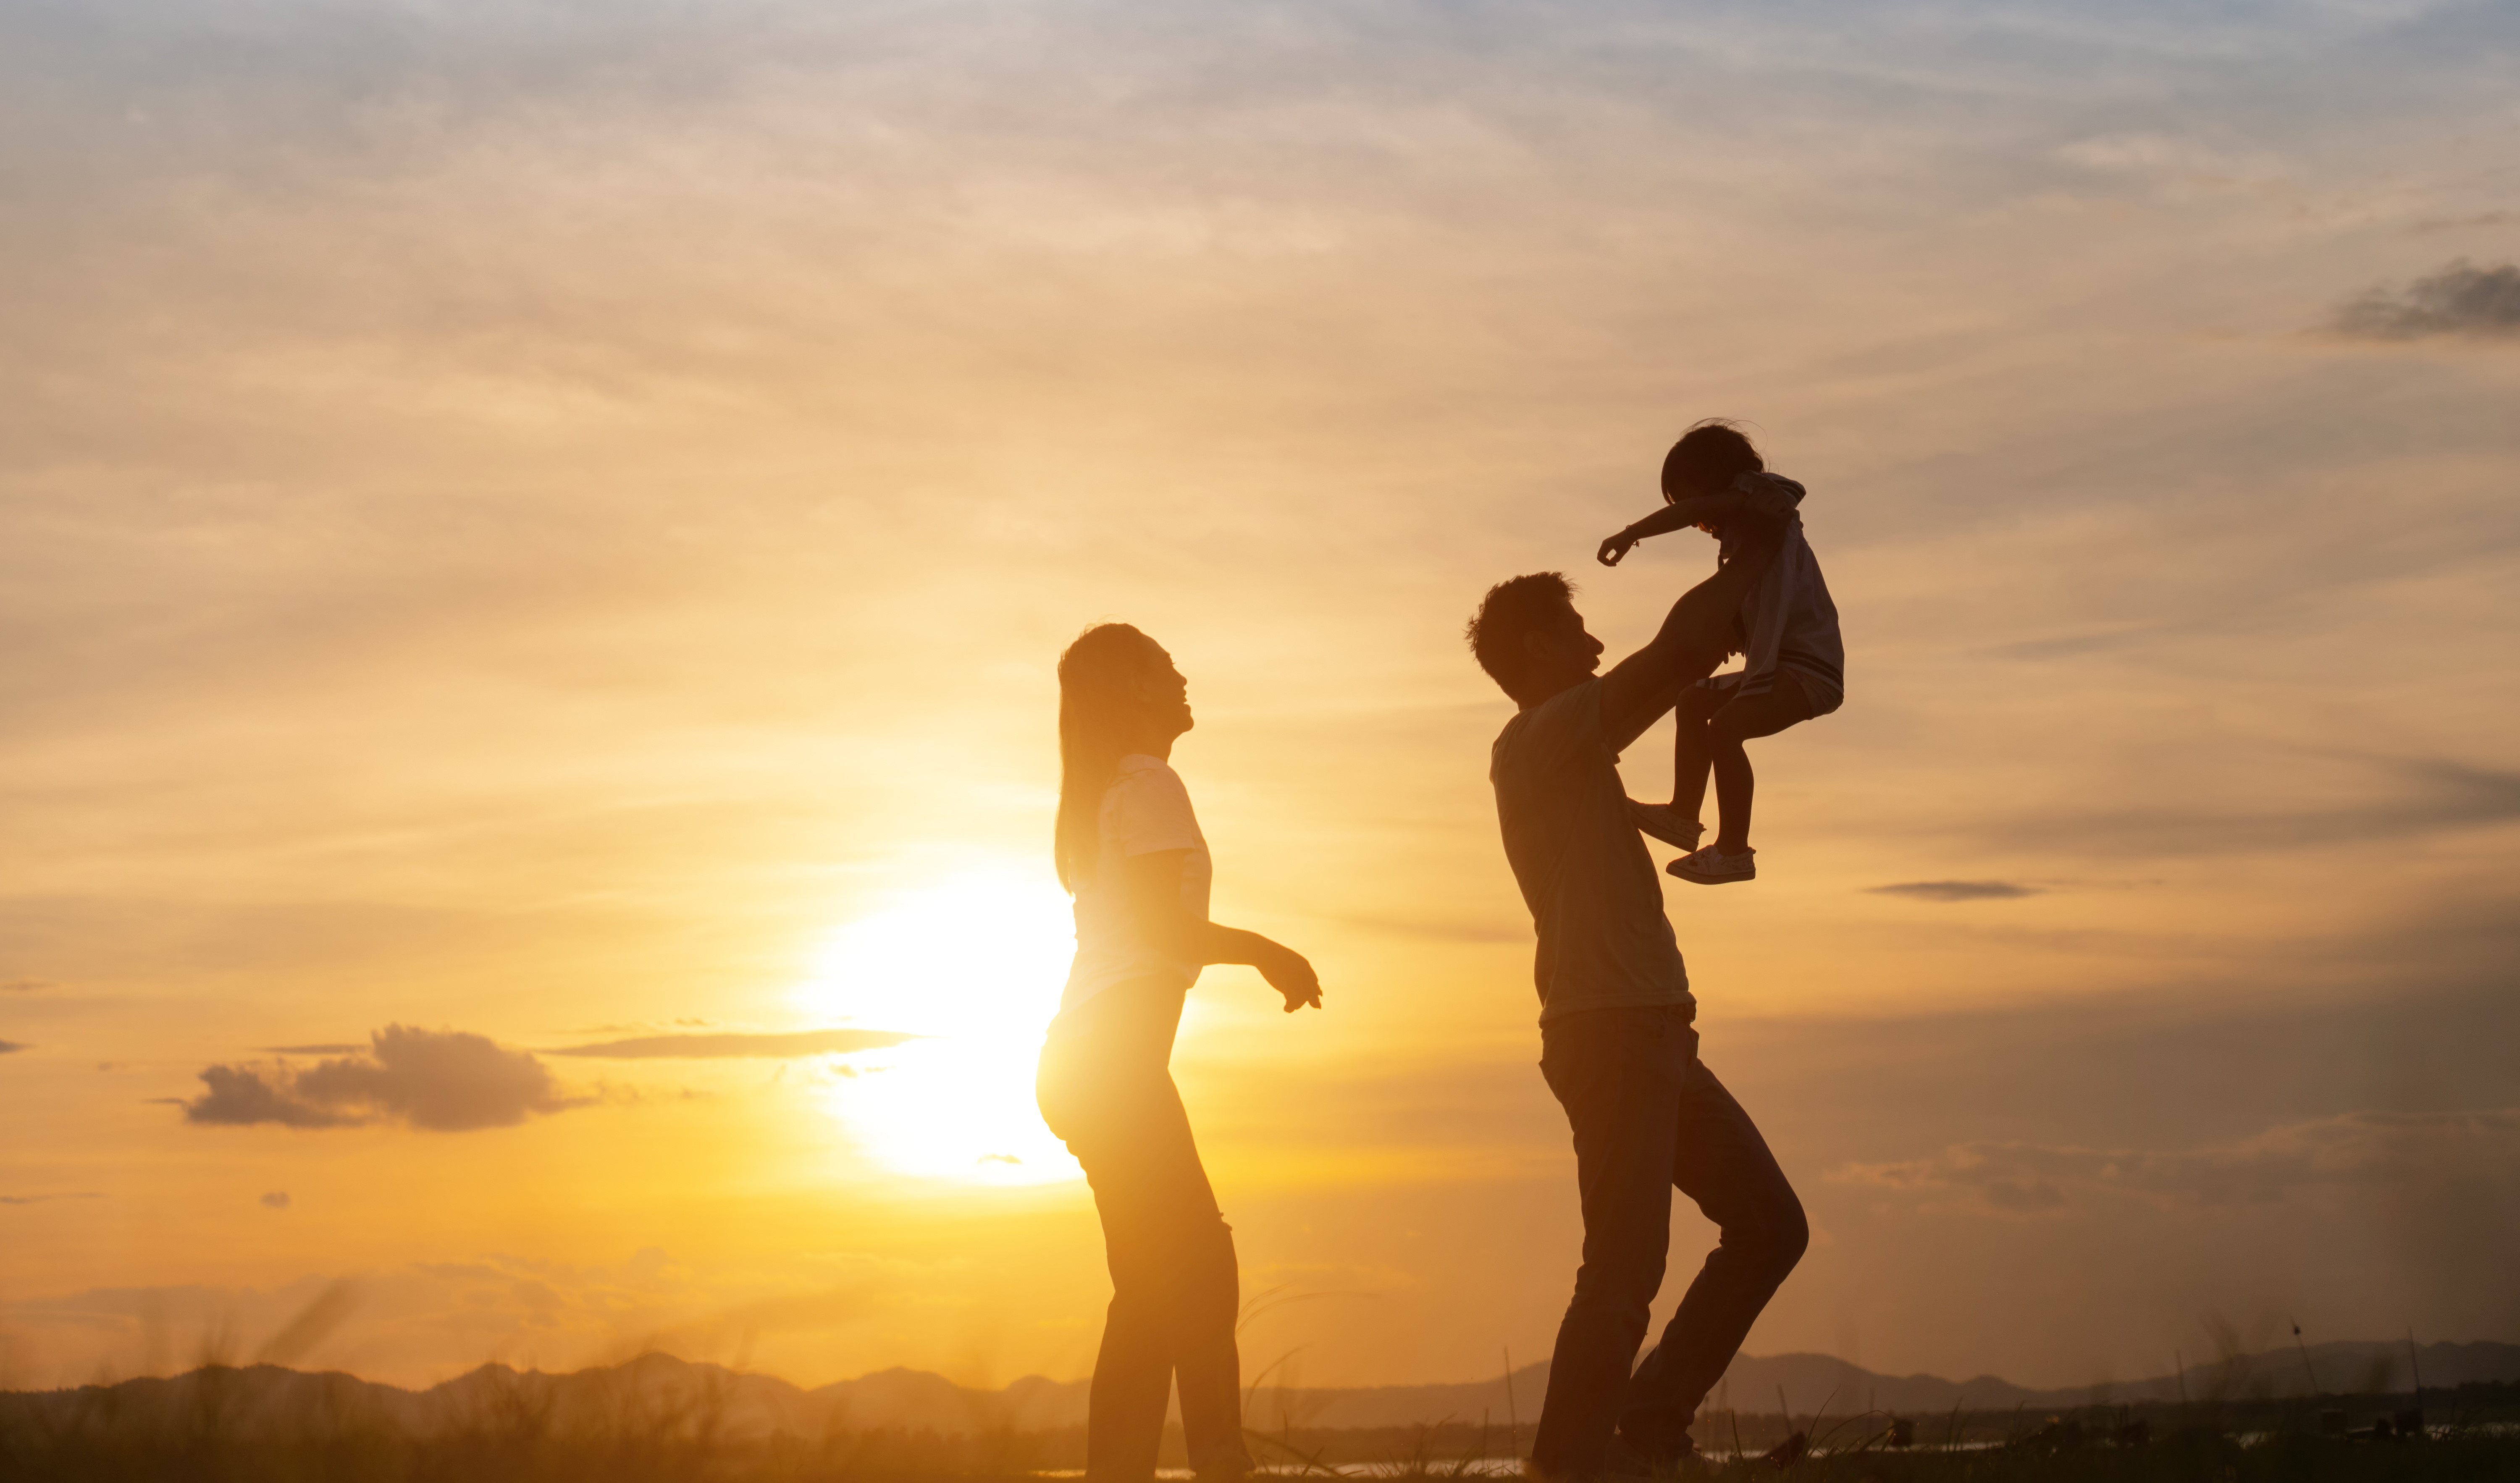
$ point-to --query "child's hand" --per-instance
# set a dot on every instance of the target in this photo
(1615, 548)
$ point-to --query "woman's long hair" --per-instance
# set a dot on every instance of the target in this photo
(1097, 700)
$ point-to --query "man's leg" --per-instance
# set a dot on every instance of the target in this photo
(1720, 1161)
(1620, 1075)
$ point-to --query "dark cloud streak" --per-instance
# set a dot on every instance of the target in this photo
(2435, 794)
(444, 1081)
(1957, 890)
(2461, 298)
(2366, 1147)
(740, 1047)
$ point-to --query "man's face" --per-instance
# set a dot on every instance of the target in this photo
(1561, 651)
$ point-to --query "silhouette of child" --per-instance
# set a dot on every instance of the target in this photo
(1793, 663)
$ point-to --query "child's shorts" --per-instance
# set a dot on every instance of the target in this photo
(1819, 697)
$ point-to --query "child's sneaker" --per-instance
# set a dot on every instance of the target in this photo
(1664, 822)
(1712, 867)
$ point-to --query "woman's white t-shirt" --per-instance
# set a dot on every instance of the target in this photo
(1145, 810)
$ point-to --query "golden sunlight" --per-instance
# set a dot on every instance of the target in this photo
(972, 966)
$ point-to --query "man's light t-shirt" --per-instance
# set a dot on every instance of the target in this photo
(1593, 890)
(1145, 810)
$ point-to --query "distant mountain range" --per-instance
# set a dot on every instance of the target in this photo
(653, 1386)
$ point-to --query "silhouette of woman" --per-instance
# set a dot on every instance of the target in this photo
(1130, 851)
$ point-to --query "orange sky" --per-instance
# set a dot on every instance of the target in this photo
(555, 528)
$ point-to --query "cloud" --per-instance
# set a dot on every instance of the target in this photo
(2431, 794)
(9, 1045)
(2353, 1149)
(23, 986)
(1957, 890)
(442, 1080)
(276, 1200)
(37, 1200)
(2461, 298)
(2460, 223)
(732, 1047)
(346, 1048)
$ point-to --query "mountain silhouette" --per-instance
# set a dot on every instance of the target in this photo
(656, 1389)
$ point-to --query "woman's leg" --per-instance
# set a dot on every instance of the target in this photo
(1103, 1066)
(1105, 1091)
(1204, 1296)
(1744, 718)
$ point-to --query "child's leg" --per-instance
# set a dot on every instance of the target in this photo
(1694, 753)
(1745, 717)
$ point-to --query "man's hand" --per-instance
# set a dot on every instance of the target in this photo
(1694, 635)
(1290, 974)
(1615, 548)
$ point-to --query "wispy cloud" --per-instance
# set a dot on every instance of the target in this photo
(38, 1199)
(2461, 298)
(780, 1047)
(9, 1045)
(2355, 1148)
(2431, 794)
(445, 1081)
(23, 986)
(2461, 223)
(1957, 890)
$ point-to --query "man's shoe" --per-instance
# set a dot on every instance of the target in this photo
(1712, 867)
(1621, 1465)
(1634, 1459)
(1663, 822)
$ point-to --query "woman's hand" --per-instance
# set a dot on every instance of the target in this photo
(1615, 548)
(1290, 974)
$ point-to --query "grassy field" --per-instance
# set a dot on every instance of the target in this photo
(194, 1431)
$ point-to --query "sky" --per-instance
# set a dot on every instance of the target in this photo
(533, 540)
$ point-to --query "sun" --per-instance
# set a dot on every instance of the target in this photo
(972, 966)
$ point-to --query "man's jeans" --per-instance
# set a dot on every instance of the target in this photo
(1648, 1115)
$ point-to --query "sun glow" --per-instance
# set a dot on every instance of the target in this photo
(972, 966)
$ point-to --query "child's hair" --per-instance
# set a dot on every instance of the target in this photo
(1511, 608)
(1707, 459)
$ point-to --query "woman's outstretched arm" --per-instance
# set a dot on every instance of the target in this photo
(1155, 894)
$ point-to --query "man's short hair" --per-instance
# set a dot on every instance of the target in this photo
(1513, 608)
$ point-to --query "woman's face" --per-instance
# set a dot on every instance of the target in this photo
(1163, 695)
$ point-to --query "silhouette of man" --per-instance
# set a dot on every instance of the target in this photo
(1619, 1047)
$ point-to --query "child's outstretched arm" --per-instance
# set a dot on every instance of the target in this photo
(1679, 514)
(1693, 638)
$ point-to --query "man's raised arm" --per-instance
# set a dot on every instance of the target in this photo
(1695, 637)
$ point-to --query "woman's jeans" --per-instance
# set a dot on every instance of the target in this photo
(1648, 1115)
(1106, 1089)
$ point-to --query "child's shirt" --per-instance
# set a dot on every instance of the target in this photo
(1789, 622)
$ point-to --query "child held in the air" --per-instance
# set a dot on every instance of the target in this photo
(1793, 663)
